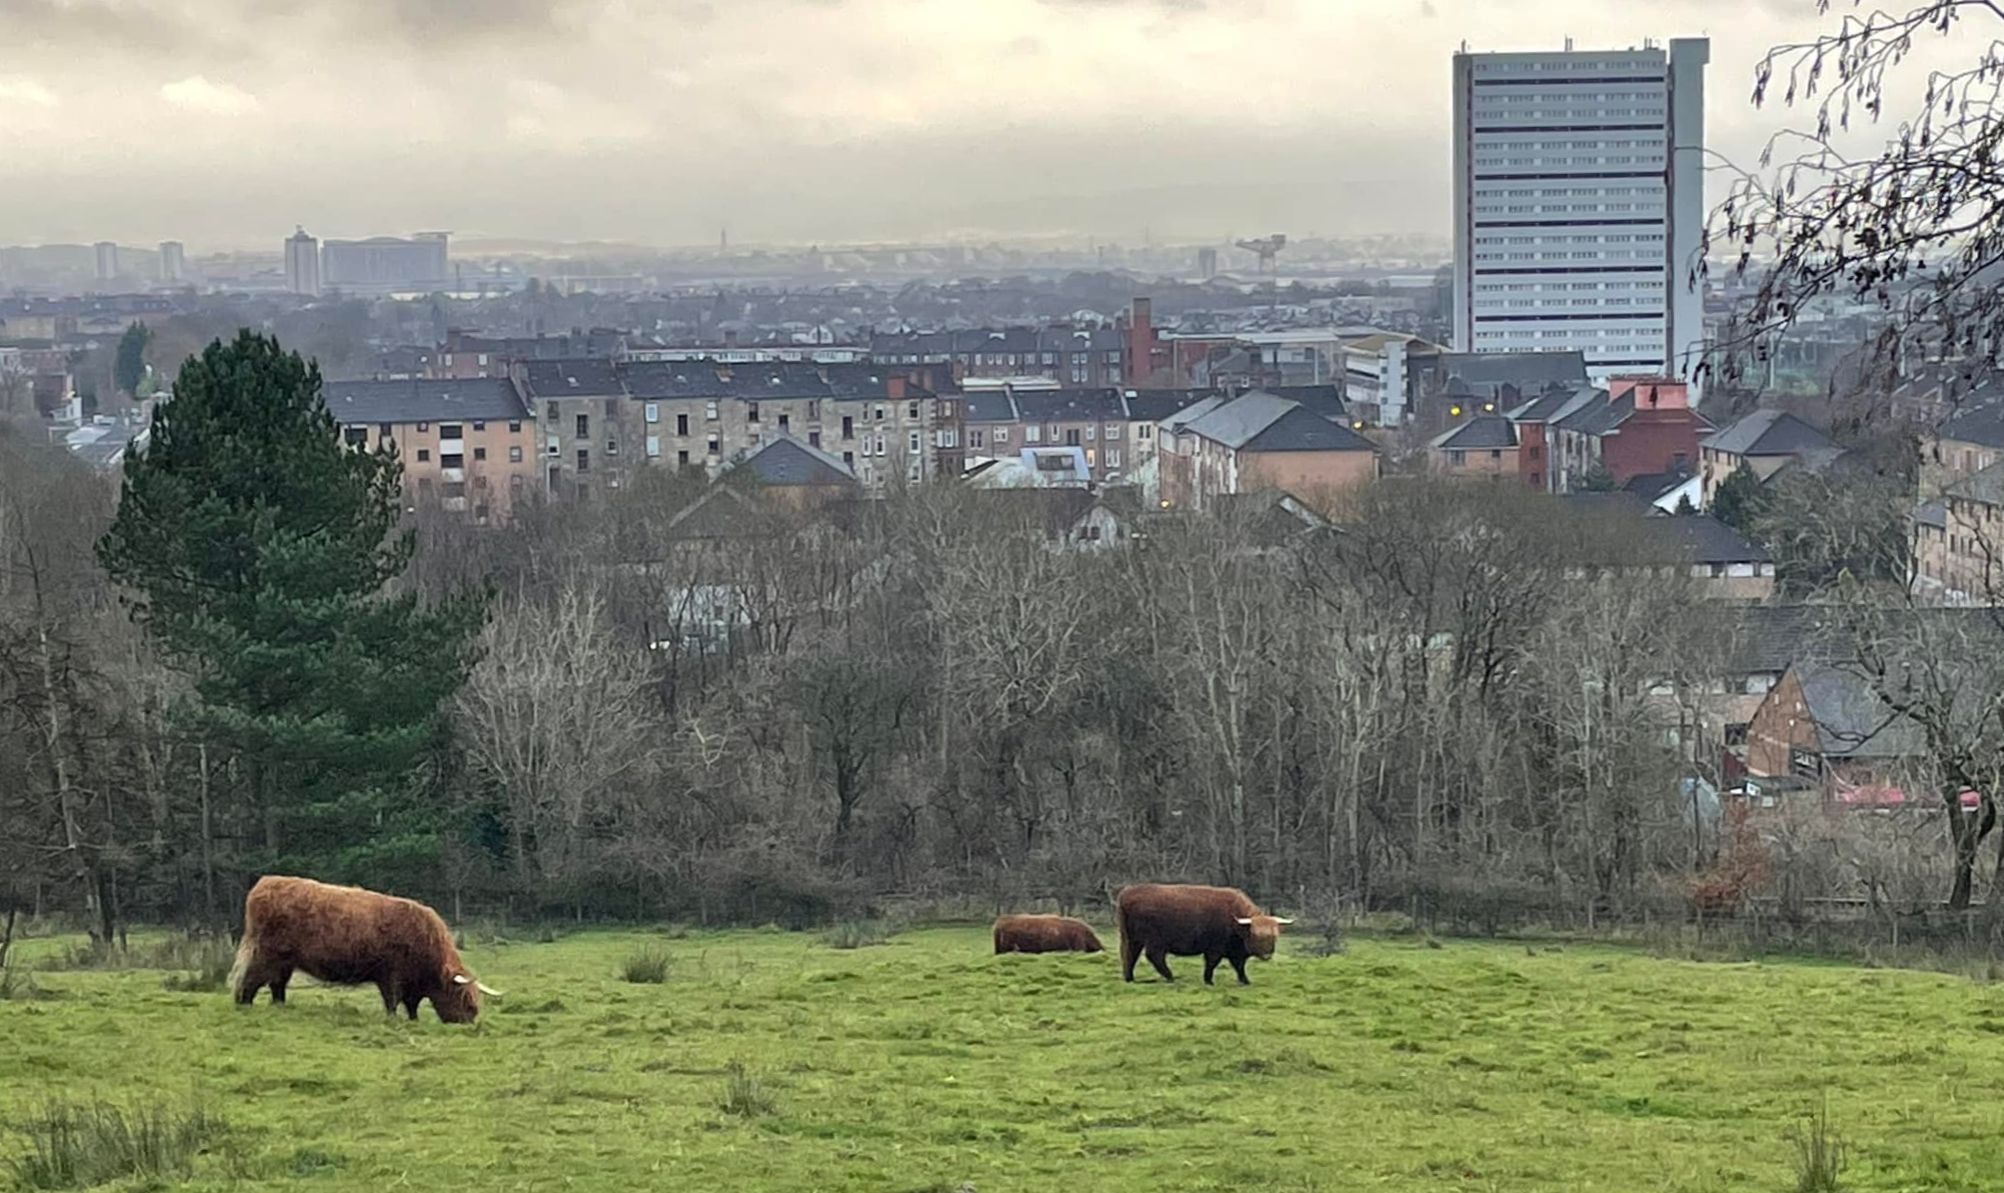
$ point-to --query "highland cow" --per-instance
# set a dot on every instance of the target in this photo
(346, 936)
(1044, 934)
(1215, 923)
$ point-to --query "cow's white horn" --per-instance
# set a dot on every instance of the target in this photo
(1279, 920)
(489, 991)
(460, 979)
(1244, 919)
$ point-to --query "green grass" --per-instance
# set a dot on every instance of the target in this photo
(769, 1061)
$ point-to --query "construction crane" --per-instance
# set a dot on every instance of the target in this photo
(1267, 248)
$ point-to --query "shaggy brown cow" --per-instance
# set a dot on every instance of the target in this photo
(1044, 934)
(348, 937)
(1213, 922)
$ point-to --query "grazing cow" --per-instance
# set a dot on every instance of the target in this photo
(1212, 922)
(1044, 934)
(348, 937)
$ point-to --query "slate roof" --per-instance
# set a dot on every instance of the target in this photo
(1260, 422)
(1655, 486)
(1686, 538)
(1556, 403)
(1267, 517)
(356, 402)
(1070, 405)
(576, 377)
(1933, 514)
(1325, 400)
(1599, 417)
(988, 406)
(1851, 720)
(1768, 433)
(1984, 425)
(1702, 538)
(786, 461)
(1154, 405)
(1484, 432)
(1009, 341)
(1528, 372)
(1191, 413)
(1985, 487)
(722, 512)
(1301, 430)
(1769, 639)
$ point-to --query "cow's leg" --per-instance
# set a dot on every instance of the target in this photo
(1211, 965)
(389, 994)
(1239, 964)
(411, 1003)
(278, 986)
(1159, 958)
(257, 975)
(1130, 952)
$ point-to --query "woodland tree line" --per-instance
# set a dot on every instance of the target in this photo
(254, 662)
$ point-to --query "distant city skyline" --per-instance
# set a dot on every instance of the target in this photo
(222, 125)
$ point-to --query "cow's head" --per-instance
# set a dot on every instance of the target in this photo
(1261, 931)
(458, 1000)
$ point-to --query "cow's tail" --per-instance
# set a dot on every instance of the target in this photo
(240, 968)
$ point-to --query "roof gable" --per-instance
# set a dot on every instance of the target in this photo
(1299, 430)
(1768, 433)
(787, 462)
(1484, 432)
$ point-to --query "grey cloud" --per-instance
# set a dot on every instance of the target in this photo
(62, 25)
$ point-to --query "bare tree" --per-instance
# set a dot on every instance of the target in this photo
(555, 716)
(1917, 228)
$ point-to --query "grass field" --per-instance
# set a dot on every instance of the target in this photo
(924, 1063)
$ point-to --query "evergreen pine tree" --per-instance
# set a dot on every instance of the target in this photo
(1739, 500)
(260, 551)
(128, 367)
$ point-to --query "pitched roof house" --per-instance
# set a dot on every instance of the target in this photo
(1764, 442)
(1485, 445)
(1258, 441)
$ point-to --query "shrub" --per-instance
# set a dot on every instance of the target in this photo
(1819, 1154)
(649, 966)
(856, 934)
(744, 1094)
(74, 1145)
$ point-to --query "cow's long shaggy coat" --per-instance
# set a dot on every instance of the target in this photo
(1213, 922)
(347, 936)
(1044, 934)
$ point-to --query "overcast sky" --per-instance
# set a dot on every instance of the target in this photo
(224, 122)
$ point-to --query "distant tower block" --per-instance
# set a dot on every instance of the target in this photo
(173, 262)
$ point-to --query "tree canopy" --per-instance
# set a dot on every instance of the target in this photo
(258, 550)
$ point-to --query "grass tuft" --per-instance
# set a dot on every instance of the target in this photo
(314, 1161)
(206, 968)
(75, 1145)
(1819, 1154)
(856, 934)
(744, 1094)
(19, 985)
(649, 967)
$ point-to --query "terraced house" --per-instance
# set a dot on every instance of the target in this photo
(601, 419)
(467, 444)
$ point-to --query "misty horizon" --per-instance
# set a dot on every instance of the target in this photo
(786, 122)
